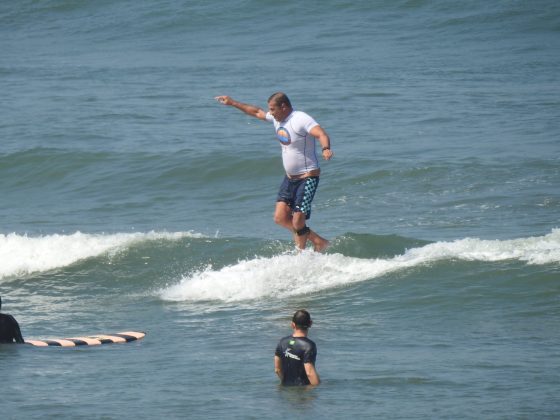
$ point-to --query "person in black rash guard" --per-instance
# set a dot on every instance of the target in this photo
(294, 358)
(9, 328)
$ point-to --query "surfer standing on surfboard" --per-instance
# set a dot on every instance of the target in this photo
(297, 133)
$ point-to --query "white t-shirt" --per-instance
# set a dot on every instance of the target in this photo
(298, 146)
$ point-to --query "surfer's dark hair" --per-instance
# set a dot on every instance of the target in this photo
(302, 319)
(280, 98)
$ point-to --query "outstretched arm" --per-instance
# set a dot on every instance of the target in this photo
(252, 110)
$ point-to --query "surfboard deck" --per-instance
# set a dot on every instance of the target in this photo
(89, 340)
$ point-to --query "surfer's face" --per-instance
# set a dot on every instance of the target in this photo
(279, 112)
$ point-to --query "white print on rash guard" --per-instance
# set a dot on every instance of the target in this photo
(298, 146)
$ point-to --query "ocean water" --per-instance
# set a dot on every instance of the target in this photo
(131, 200)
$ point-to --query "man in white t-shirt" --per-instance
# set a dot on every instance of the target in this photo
(297, 133)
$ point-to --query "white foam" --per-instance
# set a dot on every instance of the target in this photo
(532, 250)
(308, 272)
(21, 254)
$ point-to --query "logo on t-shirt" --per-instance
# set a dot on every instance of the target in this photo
(291, 355)
(283, 136)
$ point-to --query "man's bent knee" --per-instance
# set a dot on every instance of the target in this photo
(281, 219)
(282, 214)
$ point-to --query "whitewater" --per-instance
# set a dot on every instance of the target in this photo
(290, 273)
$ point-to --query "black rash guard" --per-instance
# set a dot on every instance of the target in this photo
(9, 330)
(293, 353)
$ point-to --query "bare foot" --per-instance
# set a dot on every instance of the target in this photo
(321, 245)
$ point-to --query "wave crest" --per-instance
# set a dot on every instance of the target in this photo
(308, 272)
(22, 255)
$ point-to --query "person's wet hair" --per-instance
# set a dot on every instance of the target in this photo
(302, 319)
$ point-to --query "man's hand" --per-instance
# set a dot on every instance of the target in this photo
(327, 154)
(226, 100)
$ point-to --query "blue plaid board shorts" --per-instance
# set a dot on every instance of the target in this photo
(298, 193)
